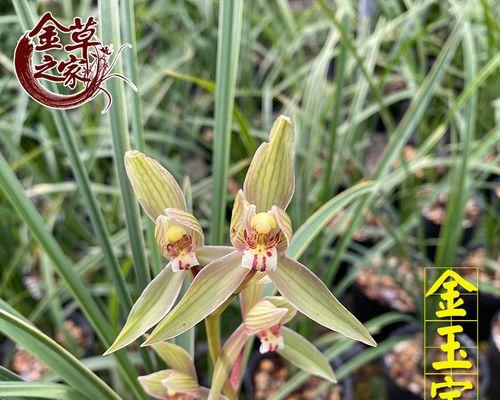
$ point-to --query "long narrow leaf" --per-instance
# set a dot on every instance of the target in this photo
(56, 358)
(119, 133)
(38, 390)
(228, 48)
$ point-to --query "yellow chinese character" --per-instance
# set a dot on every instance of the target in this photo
(451, 307)
(449, 348)
(449, 383)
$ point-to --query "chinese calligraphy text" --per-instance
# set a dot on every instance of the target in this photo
(447, 293)
(86, 65)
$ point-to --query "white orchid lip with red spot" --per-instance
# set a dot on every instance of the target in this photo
(271, 339)
(178, 235)
(260, 237)
(265, 320)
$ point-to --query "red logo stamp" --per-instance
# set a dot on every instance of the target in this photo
(87, 65)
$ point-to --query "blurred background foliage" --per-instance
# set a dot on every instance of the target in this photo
(399, 95)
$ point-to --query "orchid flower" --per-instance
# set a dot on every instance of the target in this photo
(178, 383)
(178, 235)
(260, 233)
(266, 320)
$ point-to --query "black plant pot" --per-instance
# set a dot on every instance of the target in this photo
(366, 309)
(257, 358)
(488, 307)
(432, 231)
(494, 360)
(396, 392)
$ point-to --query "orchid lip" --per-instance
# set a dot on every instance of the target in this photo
(271, 339)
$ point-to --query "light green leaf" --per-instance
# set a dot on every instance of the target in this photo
(228, 355)
(270, 179)
(38, 390)
(207, 254)
(211, 287)
(305, 291)
(155, 188)
(300, 352)
(55, 357)
(176, 357)
(153, 304)
(310, 229)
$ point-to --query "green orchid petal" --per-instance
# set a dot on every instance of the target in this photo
(262, 316)
(305, 291)
(228, 355)
(207, 254)
(176, 358)
(281, 302)
(211, 287)
(175, 216)
(152, 384)
(179, 382)
(242, 213)
(285, 224)
(154, 303)
(270, 179)
(300, 352)
(250, 296)
(155, 188)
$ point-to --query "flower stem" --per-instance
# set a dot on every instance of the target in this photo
(212, 326)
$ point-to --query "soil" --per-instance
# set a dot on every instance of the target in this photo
(27, 366)
(437, 212)
(271, 374)
(77, 332)
(389, 282)
(405, 366)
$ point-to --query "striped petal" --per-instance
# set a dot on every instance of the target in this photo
(152, 384)
(300, 352)
(270, 179)
(305, 291)
(207, 254)
(153, 304)
(263, 316)
(155, 188)
(285, 224)
(211, 287)
(281, 302)
(242, 213)
(176, 358)
(179, 382)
